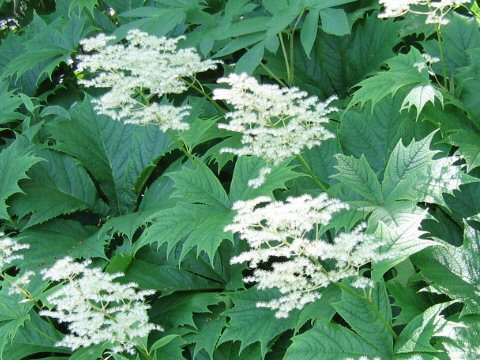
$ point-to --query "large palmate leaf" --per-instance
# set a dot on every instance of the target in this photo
(410, 174)
(56, 239)
(57, 186)
(249, 323)
(9, 103)
(247, 168)
(115, 154)
(402, 239)
(404, 164)
(204, 202)
(468, 143)
(455, 270)
(15, 161)
(36, 336)
(48, 46)
(336, 63)
(13, 316)
(468, 86)
(358, 174)
(166, 278)
(375, 134)
(458, 37)
(370, 317)
(178, 309)
(401, 73)
(416, 336)
(329, 342)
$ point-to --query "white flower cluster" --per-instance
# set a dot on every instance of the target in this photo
(290, 231)
(97, 309)
(19, 285)
(428, 61)
(275, 123)
(145, 68)
(444, 178)
(9, 249)
(437, 9)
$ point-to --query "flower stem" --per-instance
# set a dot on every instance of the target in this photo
(201, 91)
(272, 74)
(285, 57)
(442, 56)
(319, 182)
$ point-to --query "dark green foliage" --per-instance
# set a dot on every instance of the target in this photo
(154, 205)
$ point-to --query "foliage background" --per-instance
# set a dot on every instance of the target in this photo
(80, 184)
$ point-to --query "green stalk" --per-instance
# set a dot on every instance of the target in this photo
(442, 56)
(292, 49)
(285, 57)
(208, 97)
(271, 73)
(319, 182)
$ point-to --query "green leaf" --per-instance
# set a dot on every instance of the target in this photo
(420, 95)
(250, 60)
(358, 174)
(336, 63)
(54, 240)
(329, 342)
(467, 85)
(370, 317)
(173, 350)
(404, 164)
(82, 4)
(335, 22)
(249, 324)
(203, 230)
(199, 185)
(204, 202)
(320, 310)
(9, 103)
(401, 73)
(408, 300)
(178, 309)
(15, 161)
(375, 134)
(460, 35)
(154, 21)
(206, 338)
(36, 336)
(401, 239)
(58, 186)
(247, 168)
(416, 336)
(321, 159)
(166, 278)
(468, 143)
(115, 154)
(13, 316)
(48, 47)
(309, 30)
(455, 270)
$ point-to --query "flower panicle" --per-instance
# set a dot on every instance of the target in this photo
(290, 231)
(96, 308)
(276, 123)
(145, 69)
(9, 249)
(436, 10)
